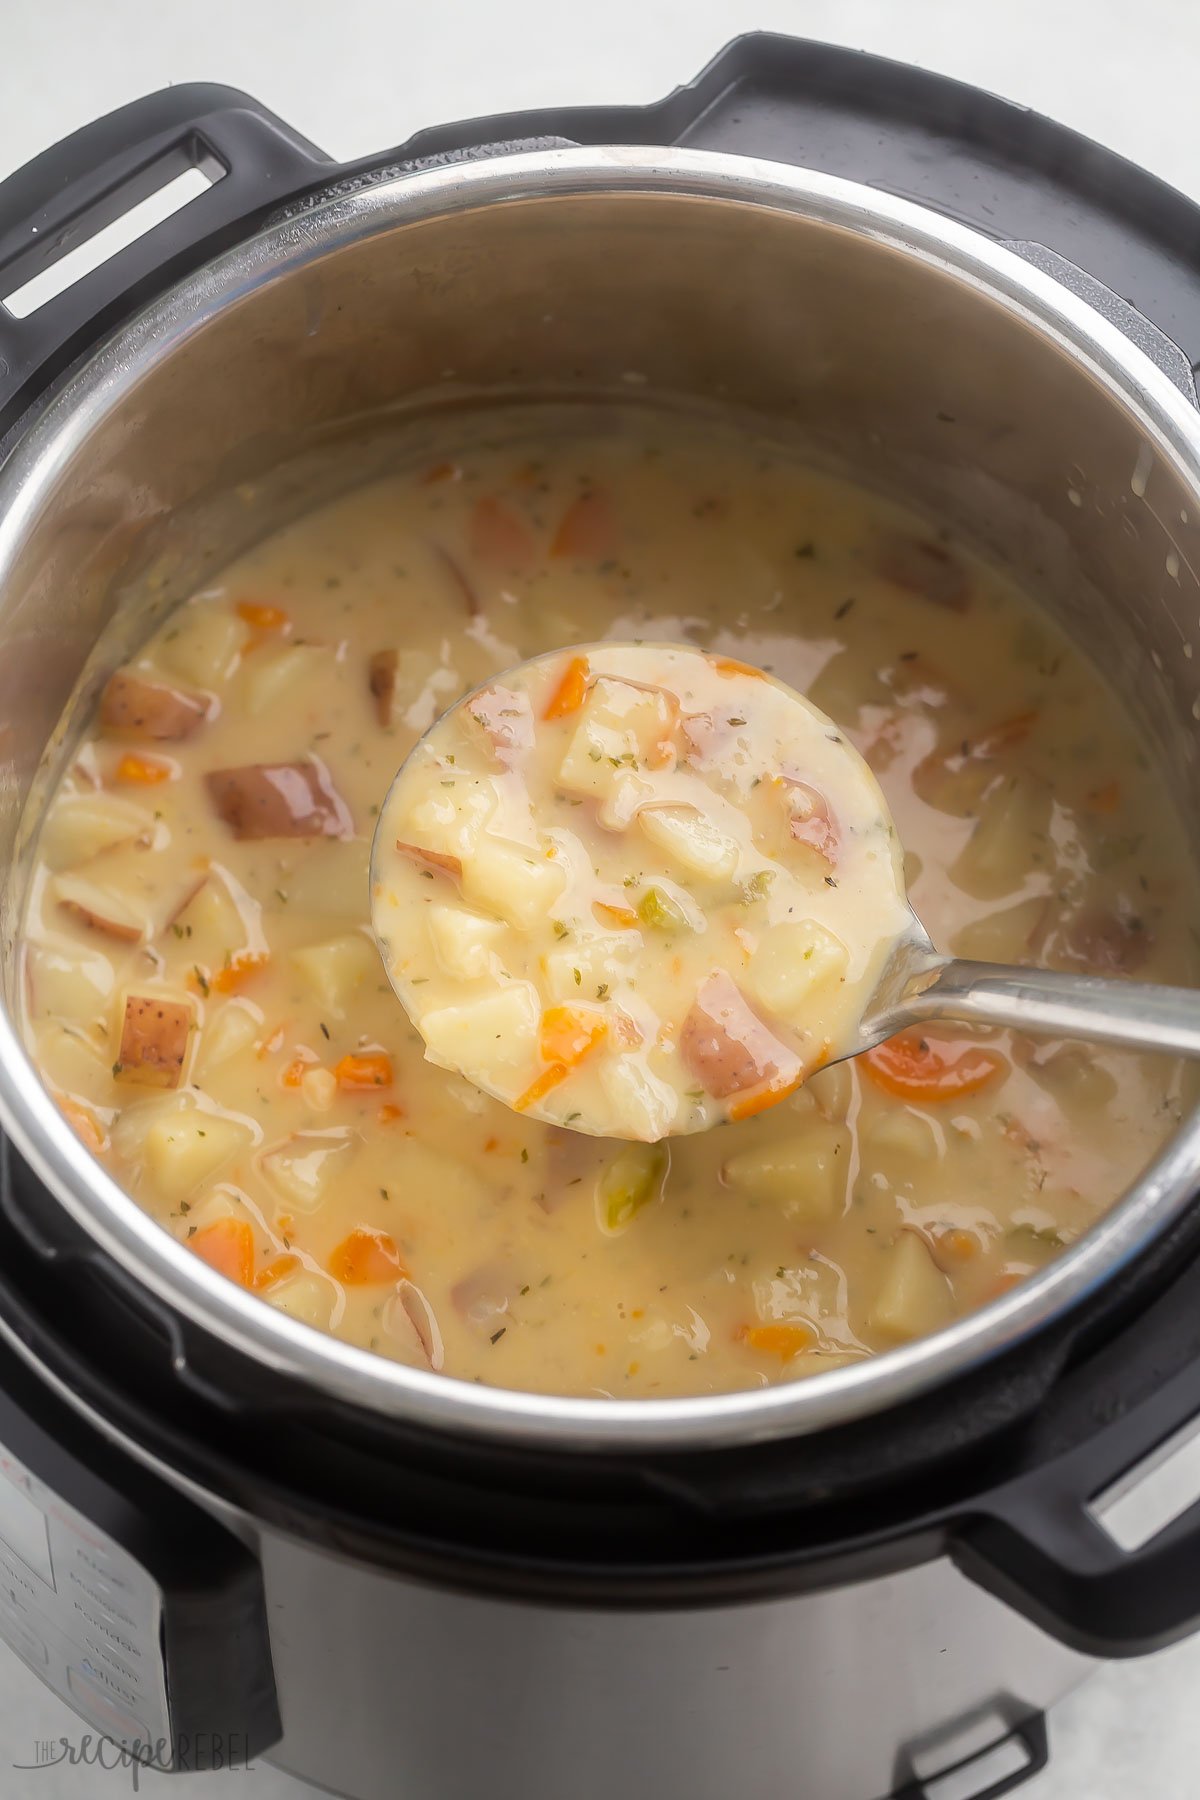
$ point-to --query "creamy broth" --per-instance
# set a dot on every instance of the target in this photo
(204, 998)
(636, 889)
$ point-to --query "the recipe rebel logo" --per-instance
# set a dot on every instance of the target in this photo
(199, 1753)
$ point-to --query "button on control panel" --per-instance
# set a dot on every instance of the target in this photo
(81, 1611)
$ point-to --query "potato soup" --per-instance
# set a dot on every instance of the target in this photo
(206, 1002)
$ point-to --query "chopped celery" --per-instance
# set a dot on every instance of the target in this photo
(634, 1177)
(657, 909)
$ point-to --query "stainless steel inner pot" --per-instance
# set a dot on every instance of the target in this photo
(914, 352)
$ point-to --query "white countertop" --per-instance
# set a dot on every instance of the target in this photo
(363, 75)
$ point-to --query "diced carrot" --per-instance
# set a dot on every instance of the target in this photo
(227, 1245)
(783, 1341)
(568, 1034)
(956, 1245)
(499, 537)
(366, 1258)
(623, 917)
(917, 1067)
(745, 1106)
(587, 529)
(729, 665)
(286, 1223)
(296, 1070)
(234, 976)
(538, 1089)
(277, 1269)
(85, 1125)
(388, 1114)
(144, 771)
(568, 696)
(1005, 1282)
(364, 1070)
(443, 471)
(261, 616)
(1105, 799)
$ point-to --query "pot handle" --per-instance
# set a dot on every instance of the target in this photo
(1064, 1545)
(56, 203)
(1141, 331)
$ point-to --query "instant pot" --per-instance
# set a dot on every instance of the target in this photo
(226, 1536)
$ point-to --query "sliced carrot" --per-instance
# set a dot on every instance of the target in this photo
(364, 1070)
(294, 1074)
(745, 1106)
(917, 1067)
(388, 1114)
(568, 1034)
(366, 1258)
(499, 537)
(783, 1341)
(729, 665)
(587, 530)
(234, 976)
(85, 1125)
(1105, 799)
(537, 1090)
(568, 696)
(278, 1269)
(227, 1245)
(143, 771)
(1006, 735)
(623, 917)
(261, 616)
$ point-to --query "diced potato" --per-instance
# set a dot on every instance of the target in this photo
(693, 841)
(132, 706)
(600, 961)
(336, 969)
(68, 983)
(76, 1062)
(915, 1297)
(82, 825)
(793, 964)
(805, 1173)
(211, 923)
(505, 722)
(221, 1202)
(99, 909)
(232, 1029)
(1009, 840)
(408, 1317)
(185, 1148)
(519, 885)
(1005, 936)
(156, 1036)
(126, 893)
(306, 1297)
(900, 1132)
(621, 727)
(279, 800)
(496, 1038)
(1074, 1077)
(645, 1107)
(832, 1089)
(300, 1167)
(203, 644)
(451, 820)
(273, 676)
(463, 942)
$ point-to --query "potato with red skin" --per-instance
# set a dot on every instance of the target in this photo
(154, 1040)
(923, 568)
(133, 707)
(279, 800)
(811, 820)
(436, 862)
(726, 1046)
(506, 720)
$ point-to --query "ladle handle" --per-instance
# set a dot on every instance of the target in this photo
(1139, 1014)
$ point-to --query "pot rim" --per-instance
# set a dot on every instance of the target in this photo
(148, 1252)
